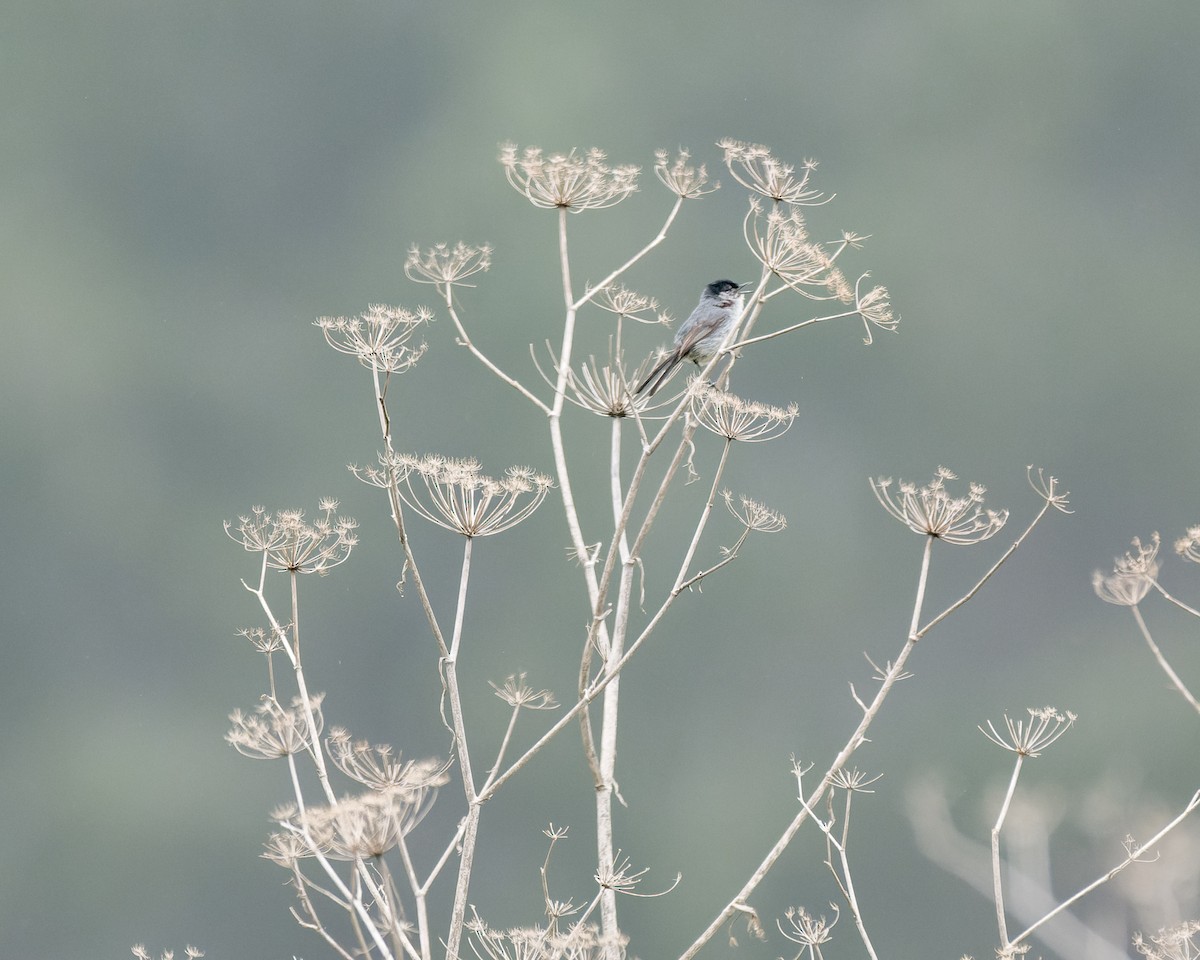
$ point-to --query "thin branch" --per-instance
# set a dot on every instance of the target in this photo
(658, 238)
(1134, 855)
(857, 738)
(396, 505)
(466, 341)
(1178, 603)
(997, 873)
(987, 576)
(1162, 661)
(844, 880)
(794, 327)
(450, 679)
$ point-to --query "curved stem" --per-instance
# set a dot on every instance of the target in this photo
(893, 674)
(396, 505)
(466, 341)
(1162, 661)
(997, 872)
(705, 514)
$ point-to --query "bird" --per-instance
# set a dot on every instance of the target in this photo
(700, 336)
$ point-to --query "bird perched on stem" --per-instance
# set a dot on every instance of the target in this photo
(701, 335)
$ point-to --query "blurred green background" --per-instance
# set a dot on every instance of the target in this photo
(187, 185)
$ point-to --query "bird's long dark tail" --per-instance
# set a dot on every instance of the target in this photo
(659, 375)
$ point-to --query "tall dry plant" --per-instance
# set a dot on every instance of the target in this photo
(357, 884)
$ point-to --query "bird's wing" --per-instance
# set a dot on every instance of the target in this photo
(699, 330)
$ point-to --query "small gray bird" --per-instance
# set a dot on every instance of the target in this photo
(701, 335)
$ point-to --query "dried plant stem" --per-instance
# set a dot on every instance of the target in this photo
(704, 515)
(563, 475)
(616, 274)
(292, 649)
(419, 896)
(318, 754)
(598, 685)
(449, 655)
(987, 576)
(394, 502)
(353, 900)
(844, 880)
(1134, 855)
(603, 767)
(1179, 603)
(997, 873)
(605, 785)
(503, 749)
(466, 862)
(447, 291)
(893, 674)
(1162, 661)
(748, 341)
(450, 675)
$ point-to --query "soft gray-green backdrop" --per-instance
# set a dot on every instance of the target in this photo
(187, 185)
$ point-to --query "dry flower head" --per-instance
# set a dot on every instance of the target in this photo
(273, 731)
(456, 495)
(445, 265)
(378, 338)
(1133, 576)
(753, 166)
(731, 417)
(680, 177)
(289, 542)
(930, 509)
(1028, 738)
(567, 181)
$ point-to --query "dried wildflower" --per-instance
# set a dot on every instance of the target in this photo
(680, 177)
(606, 390)
(1028, 738)
(379, 767)
(621, 877)
(932, 511)
(447, 266)
(518, 694)
(780, 241)
(1047, 488)
(191, 953)
(263, 641)
(1188, 546)
(581, 941)
(285, 849)
(754, 515)
(1121, 589)
(567, 181)
(273, 731)
(732, 417)
(807, 930)
(378, 338)
(291, 543)
(518, 943)
(854, 780)
(628, 303)
(454, 494)
(875, 308)
(355, 828)
(752, 165)
(1133, 575)
(1171, 943)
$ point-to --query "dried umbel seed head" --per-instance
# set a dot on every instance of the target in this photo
(930, 509)
(378, 338)
(567, 181)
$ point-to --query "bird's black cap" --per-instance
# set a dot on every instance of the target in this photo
(718, 287)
